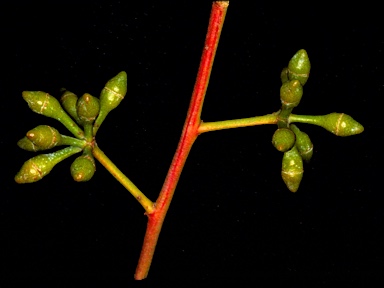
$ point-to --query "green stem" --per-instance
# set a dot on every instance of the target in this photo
(108, 164)
(308, 119)
(283, 117)
(71, 125)
(236, 123)
(88, 127)
(87, 151)
(67, 140)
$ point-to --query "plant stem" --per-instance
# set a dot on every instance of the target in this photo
(236, 123)
(188, 136)
(282, 119)
(147, 204)
(88, 131)
(308, 119)
(68, 140)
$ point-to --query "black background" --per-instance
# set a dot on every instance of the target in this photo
(232, 220)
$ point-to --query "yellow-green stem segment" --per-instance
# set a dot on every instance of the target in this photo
(236, 123)
(88, 131)
(308, 119)
(108, 164)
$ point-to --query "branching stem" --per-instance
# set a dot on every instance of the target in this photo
(188, 136)
(147, 204)
(236, 123)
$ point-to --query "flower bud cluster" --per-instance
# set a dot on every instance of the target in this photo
(288, 138)
(73, 112)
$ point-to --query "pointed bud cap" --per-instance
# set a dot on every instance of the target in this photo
(299, 67)
(284, 75)
(303, 143)
(83, 168)
(111, 96)
(44, 136)
(26, 144)
(88, 108)
(341, 124)
(114, 92)
(47, 105)
(292, 169)
(37, 167)
(291, 93)
(69, 102)
(283, 139)
(42, 103)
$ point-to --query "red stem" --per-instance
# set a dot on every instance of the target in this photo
(188, 136)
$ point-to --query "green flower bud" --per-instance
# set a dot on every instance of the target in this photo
(26, 144)
(37, 167)
(283, 139)
(110, 97)
(44, 136)
(292, 169)
(284, 75)
(291, 93)
(88, 108)
(299, 67)
(303, 143)
(83, 168)
(69, 102)
(340, 124)
(45, 104)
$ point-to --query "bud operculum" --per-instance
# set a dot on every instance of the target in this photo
(47, 105)
(299, 67)
(292, 169)
(26, 144)
(341, 124)
(111, 96)
(88, 108)
(291, 93)
(83, 168)
(284, 75)
(283, 139)
(39, 166)
(44, 136)
(69, 102)
(303, 143)
(42, 103)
